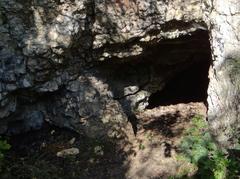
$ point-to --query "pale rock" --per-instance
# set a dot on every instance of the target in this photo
(68, 152)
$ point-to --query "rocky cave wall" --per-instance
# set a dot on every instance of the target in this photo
(89, 65)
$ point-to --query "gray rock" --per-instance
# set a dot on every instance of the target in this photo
(26, 83)
(90, 63)
(30, 120)
(68, 152)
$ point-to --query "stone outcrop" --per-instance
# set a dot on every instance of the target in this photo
(224, 87)
(89, 65)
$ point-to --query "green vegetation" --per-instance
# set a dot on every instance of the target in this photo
(4, 146)
(141, 146)
(205, 158)
(235, 70)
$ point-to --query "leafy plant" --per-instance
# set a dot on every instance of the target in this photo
(235, 63)
(4, 146)
(199, 148)
(141, 146)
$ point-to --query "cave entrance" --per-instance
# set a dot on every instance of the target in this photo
(191, 84)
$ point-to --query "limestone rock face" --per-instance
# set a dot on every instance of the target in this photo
(224, 87)
(90, 64)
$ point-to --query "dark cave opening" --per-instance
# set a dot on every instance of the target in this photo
(189, 85)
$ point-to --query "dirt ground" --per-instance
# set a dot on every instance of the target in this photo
(151, 153)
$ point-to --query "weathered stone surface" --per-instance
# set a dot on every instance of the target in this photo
(68, 152)
(116, 23)
(224, 89)
(89, 65)
(26, 121)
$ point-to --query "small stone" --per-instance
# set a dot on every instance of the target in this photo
(43, 145)
(91, 160)
(72, 141)
(73, 86)
(47, 119)
(11, 87)
(98, 150)
(68, 152)
(26, 83)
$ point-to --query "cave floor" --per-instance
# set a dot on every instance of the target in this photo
(152, 153)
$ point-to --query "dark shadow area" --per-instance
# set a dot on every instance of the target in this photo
(168, 126)
(188, 86)
(164, 124)
(168, 149)
(34, 154)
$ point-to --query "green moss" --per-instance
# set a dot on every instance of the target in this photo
(235, 66)
(235, 70)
